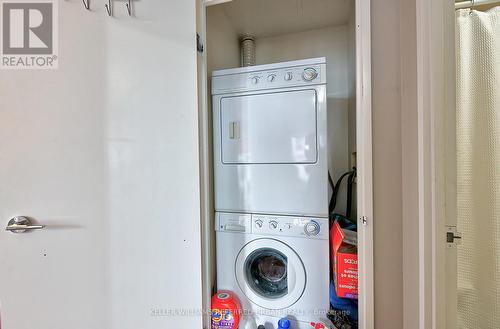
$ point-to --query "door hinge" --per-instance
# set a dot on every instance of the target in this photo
(453, 238)
(364, 220)
(199, 44)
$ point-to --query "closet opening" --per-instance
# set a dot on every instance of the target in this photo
(286, 161)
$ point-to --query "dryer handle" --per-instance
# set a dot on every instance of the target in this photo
(234, 130)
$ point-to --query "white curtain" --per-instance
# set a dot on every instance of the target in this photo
(478, 148)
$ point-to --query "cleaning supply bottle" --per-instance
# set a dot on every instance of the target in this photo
(226, 310)
(284, 323)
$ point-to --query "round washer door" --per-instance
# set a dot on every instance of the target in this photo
(270, 274)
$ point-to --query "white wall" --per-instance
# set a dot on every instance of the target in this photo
(332, 43)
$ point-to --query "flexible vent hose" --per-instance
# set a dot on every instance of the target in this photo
(247, 51)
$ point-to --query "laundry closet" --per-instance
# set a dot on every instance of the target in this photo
(279, 102)
(110, 172)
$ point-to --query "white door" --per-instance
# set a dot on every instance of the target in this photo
(103, 151)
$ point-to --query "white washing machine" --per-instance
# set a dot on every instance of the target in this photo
(270, 135)
(277, 265)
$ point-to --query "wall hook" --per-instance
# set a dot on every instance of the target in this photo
(129, 7)
(86, 4)
(109, 8)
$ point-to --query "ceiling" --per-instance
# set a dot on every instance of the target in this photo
(265, 18)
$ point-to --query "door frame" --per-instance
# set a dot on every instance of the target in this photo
(364, 163)
(429, 154)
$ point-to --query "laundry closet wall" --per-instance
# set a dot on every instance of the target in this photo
(104, 151)
(223, 43)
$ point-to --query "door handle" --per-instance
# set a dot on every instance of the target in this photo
(21, 224)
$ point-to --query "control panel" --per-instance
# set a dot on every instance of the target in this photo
(291, 226)
(269, 77)
(284, 77)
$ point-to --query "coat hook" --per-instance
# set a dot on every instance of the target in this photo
(86, 4)
(129, 7)
(109, 8)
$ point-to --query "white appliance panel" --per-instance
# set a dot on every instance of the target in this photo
(269, 128)
(307, 297)
(270, 142)
(274, 188)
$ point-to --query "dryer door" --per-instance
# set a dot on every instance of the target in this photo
(277, 127)
(270, 274)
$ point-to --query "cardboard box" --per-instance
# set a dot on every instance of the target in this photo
(344, 262)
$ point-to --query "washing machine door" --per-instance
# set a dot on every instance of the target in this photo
(270, 274)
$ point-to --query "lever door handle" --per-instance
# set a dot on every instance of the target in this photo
(21, 224)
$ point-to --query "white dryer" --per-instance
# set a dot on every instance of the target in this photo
(270, 135)
(277, 265)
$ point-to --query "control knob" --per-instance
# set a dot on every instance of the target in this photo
(309, 74)
(255, 80)
(288, 76)
(258, 223)
(271, 77)
(312, 228)
(273, 224)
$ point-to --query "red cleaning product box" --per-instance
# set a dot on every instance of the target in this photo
(344, 261)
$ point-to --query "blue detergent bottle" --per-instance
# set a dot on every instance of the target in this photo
(284, 323)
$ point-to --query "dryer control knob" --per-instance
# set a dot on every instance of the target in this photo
(258, 223)
(312, 228)
(309, 74)
(288, 76)
(273, 224)
(255, 80)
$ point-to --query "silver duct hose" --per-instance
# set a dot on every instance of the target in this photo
(247, 51)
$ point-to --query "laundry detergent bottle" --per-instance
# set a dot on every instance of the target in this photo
(226, 310)
(284, 323)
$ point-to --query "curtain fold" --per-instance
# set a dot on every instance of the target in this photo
(478, 167)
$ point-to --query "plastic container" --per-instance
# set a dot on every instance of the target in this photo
(226, 310)
(284, 323)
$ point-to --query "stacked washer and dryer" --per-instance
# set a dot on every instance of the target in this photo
(271, 190)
